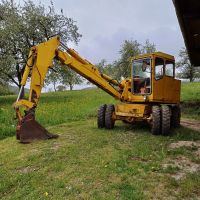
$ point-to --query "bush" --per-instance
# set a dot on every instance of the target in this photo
(4, 90)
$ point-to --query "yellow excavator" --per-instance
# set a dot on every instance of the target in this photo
(151, 94)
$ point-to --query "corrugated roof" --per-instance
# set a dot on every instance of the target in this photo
(188, 13)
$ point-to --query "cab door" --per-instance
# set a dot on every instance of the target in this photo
(158, 80)
(171, 85)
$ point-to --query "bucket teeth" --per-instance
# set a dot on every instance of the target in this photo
(28, 129)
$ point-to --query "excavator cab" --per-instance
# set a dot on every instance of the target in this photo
(153, 78)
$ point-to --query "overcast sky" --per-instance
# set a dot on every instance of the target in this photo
(105, 24)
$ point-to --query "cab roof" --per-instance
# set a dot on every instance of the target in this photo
(158, 54)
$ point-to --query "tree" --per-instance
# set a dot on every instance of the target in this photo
(187, 71)
(64, 76)
(23, 26)
(61, 88)
(106, 68)
(101, 65)
(129, 49)
(148, 47)
(53, 77)
(69, 77)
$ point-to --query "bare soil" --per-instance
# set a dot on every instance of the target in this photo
(191, 124)
(183, 165)
(192, 144)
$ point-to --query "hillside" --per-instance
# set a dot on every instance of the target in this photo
(90, 163)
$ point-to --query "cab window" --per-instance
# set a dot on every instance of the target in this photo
(159, 68)
(169, 68)
(141, 73)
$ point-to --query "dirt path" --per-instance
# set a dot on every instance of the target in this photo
(191, 123)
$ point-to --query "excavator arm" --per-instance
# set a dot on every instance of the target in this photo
(40, 59)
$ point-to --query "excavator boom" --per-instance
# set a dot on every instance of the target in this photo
(39, 61)
(89, 71)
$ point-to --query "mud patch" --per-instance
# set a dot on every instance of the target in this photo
(56, 146)
(114, 179)
(138, 158)
(182, 165)
(188, 144)
(25, 170)
(197, 153)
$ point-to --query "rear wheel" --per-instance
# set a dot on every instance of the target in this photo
(165, 116)
(176, 116)
(101, 116)
(109, 121)
(155, 126)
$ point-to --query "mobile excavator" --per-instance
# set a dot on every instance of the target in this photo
(151, 94)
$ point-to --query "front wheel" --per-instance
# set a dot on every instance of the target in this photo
(109, 121)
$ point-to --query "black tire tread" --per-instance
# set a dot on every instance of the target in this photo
(155, 129)
(101, 116)
(165, 116)
(176, 116)
(109, 122)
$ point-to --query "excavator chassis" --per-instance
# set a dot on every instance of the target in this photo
(160, 117)
(28, 129)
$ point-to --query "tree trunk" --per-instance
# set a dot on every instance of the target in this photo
(70, 86)
(54, 86)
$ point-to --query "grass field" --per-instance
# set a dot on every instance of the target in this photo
(87, 163)
(191, 100)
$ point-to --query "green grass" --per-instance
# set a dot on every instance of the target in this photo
(190, 96)
(55, 108)
(190, 92)
(90, 163)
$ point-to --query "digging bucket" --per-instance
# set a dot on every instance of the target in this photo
(28, 130)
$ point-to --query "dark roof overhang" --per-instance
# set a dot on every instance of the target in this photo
(188, 13)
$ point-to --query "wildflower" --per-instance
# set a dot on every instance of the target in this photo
(46, 194)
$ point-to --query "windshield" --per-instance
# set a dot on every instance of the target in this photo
(142, 68)
(141, 73)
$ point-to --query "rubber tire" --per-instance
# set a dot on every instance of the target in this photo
(165, 119)
(109, 122)
(176, 116)
(101, 116)
(156, 120)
